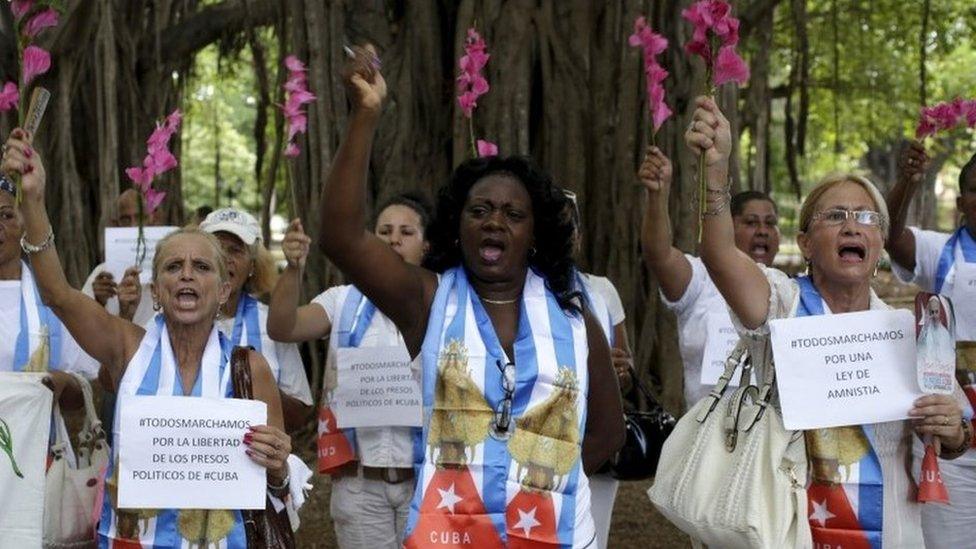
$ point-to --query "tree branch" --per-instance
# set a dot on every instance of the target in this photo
(752, 14)
(208, 25)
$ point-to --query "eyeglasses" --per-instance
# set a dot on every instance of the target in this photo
(837, 216)
(500, 427)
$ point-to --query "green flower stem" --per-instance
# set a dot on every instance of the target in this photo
(7, 443)
(474, 146)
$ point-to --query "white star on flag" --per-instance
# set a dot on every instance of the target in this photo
(448, 498)
(526, 521)
(324, 426)
(821, 513)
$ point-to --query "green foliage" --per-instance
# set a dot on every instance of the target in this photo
(219, 113)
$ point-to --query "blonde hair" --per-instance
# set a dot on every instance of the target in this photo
(265, 273)
(218, 250)
(809, 207)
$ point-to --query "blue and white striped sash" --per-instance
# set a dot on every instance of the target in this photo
(948, 257)
(153, 371)
(549, 343)
(36, 321)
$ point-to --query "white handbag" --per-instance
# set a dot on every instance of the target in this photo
(730, 474)
(72, 489)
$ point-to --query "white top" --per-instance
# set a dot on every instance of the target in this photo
(701, 297)
(928, 250)
(144, 312)
(605, 289)
(892, 440)
(283, 358)
(73, 359)
(377, 446)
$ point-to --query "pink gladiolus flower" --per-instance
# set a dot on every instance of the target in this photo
(652, 45)
(471, 83)
(153, 199)
(43, 20)
(729, 67)
(157, 161)
(9, 96)
(297, 89)
(37, 61)
(294, 64)
(945, 116)
(20, 8)
(468, 101)
(715, 16)
(970, 113)
(487, 148)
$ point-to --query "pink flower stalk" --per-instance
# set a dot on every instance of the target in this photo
(296, 88)
(945, 116)
(158, 160)
(9, 96)
(43, 20)
(487, 148)
(20, 8)
(37, 61)
(714, 16)
(471, 84)
(652, 45)
(729, 67)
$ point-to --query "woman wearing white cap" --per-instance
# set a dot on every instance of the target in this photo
(244, 319)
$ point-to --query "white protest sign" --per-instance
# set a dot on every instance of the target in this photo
(121, 249)
(376, 388)
(850, 369)
(188, 453)
(720, 339)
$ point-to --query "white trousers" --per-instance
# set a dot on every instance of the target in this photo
(603, 492)
(369, 514)
(951, 526)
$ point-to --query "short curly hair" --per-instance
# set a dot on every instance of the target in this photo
(553, 257)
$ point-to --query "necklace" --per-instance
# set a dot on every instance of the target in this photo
(499, 301)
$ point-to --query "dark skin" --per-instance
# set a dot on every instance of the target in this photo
(496, 234)
(913, 162)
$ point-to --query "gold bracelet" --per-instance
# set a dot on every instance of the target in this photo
(721, 203)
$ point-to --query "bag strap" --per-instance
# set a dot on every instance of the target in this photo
(731, 365)
(240, 372)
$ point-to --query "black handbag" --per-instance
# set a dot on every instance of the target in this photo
(265, 529)
(646, 433)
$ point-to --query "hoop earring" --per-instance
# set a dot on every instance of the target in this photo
(156, 306)
(532, 252)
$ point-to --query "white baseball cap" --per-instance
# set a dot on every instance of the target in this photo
(236, 222)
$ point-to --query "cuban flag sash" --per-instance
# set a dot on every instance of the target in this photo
(247, 324)
(947, 259)
(523, 487)
(336, 447)
(38, 345)
(845, 492)
(153, 371)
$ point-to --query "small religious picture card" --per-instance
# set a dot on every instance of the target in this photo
(935, 343)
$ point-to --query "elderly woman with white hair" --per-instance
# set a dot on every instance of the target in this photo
(843, 223)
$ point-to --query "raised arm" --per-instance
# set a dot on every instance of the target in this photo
(735, 274)
(402, 291)
(287, 321)
(912, 163)
(107, 338)
(669, 265)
